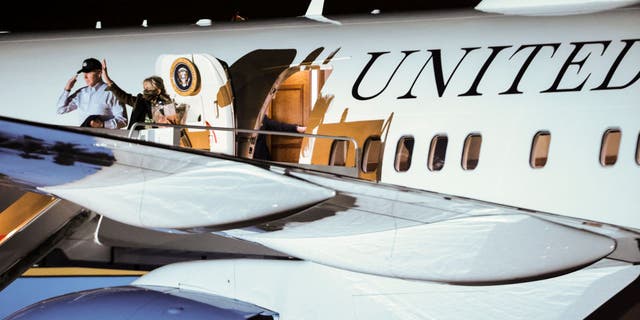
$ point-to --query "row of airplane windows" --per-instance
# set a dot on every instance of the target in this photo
(609, 148)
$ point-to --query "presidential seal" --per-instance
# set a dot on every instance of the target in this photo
(185, 78)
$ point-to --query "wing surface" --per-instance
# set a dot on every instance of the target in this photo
(413, 234)
(143, 184)
(341, 222)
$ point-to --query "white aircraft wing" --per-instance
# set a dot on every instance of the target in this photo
(336, 221)
(413, 234)
(144, 185)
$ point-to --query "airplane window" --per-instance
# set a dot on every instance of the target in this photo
(371, 154)
(437, 152)
(540, 149)
(638, 150)
(610, 146)
(471, 151)
(404, 150)
(338, 156)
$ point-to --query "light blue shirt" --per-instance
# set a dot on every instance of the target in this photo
(95, 100)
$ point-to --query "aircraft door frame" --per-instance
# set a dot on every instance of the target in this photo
(202, 81)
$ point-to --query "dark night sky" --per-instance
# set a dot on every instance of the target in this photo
(76, 14)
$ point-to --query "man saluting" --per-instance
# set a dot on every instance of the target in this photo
(100, 107)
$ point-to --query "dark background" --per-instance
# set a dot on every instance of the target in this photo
(26, 16)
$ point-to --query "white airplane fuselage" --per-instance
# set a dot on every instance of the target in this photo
(503, 77)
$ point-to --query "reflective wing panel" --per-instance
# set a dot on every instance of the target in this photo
(413, 234)
(144, 184)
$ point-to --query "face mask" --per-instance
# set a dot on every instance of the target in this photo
(149, 94)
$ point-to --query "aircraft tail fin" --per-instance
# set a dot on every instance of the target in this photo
(314, 12)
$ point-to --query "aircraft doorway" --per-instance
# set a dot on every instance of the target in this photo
(298, 100)
(291, 102)
(201, 81)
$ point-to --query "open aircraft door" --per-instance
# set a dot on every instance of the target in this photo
(201, 81)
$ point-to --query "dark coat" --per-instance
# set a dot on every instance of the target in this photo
(141, 105)
(261, 150)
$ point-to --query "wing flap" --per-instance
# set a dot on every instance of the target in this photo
(419, 235)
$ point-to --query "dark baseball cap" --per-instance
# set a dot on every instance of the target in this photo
(90, 64)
